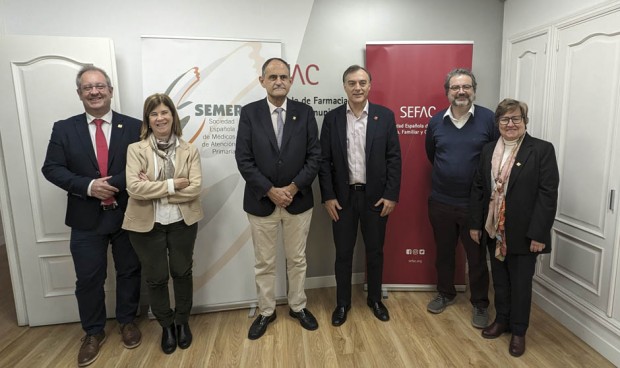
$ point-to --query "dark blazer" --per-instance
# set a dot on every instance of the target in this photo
(531, 196)
(383, 160)
(263, 165)
(71, 164)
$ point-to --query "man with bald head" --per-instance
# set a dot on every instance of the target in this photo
(278, 155)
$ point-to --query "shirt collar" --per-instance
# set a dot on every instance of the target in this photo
(449, 112)
(363, 111)
(107, 117)
(272, 107)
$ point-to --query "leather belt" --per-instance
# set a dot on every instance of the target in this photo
(109, 207)
(358, 187)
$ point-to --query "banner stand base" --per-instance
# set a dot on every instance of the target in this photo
(411, 287)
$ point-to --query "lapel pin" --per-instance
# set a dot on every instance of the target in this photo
(518, 164)
(294, 118)
(376, 117)
(119, 126)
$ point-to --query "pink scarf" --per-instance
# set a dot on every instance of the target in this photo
(497, 206)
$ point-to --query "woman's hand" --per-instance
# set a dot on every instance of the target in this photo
(142, 176)
(536, 246)
(475, 235)
(181, 183)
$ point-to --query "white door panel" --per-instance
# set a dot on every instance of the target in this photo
(526, 79)
(38, 79)
(586, 137)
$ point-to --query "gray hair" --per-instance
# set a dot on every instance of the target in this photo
(91, 68)
(353, 69)
(288, 67)
(459, 71)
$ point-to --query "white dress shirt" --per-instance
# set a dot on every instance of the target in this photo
(459, 123)
(356, 145)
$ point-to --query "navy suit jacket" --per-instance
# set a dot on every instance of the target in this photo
(263, 165)
(383, 160)
(531, 196)
(71, 164)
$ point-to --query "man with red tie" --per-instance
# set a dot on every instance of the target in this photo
(86, 156)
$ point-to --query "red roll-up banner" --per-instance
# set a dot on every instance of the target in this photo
(408, 78)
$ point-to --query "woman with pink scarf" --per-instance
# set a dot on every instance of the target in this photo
(512, 209)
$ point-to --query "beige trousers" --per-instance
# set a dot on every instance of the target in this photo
(264, 236)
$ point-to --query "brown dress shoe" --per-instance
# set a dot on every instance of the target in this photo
(494, 331)
(517, 346)
(89, 351)
(131, 335)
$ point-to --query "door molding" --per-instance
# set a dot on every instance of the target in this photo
(15, 271)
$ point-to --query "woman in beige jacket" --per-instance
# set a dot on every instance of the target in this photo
(164, 182)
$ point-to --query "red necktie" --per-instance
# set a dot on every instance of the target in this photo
(102, 153)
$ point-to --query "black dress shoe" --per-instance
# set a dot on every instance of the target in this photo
(517, 346)
(184, 335)
(259, 326)
(494, 331)
(168, 339)
(379, 310)
(306, 319)
(340, 315)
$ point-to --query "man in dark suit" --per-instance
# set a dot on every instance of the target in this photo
(278, 155)
(86, 157)
(360, 183)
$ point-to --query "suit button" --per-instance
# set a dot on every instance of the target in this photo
(98, 173)
(279, 162)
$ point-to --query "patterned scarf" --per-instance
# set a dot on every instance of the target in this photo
(164, 151)
(497, 206)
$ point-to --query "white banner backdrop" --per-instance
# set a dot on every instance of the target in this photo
(209, 80)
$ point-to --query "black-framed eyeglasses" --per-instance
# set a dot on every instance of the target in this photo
(515, 120)
(90, 87)
(465, 87)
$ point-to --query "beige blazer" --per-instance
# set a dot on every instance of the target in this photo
(140, 213)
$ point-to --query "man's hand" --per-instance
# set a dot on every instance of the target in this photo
(475, 235)
(102, 190)
(291, 189)
(388, 206)
(332, 206)
(280, 196)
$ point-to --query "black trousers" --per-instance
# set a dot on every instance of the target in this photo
(358, 212)
(449, 225)
(89, 249)
(163, 251)
(512, 281)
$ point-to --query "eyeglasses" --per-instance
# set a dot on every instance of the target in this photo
(90, 87)
(465, 87)
(515, 120)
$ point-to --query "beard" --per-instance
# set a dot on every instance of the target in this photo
(462, 102)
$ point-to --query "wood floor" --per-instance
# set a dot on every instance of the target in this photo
(412, 338)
